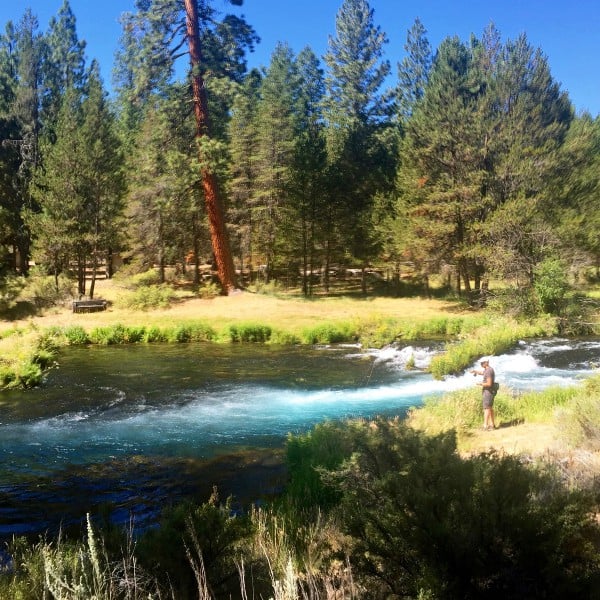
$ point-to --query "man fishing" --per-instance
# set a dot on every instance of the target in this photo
(487, 393)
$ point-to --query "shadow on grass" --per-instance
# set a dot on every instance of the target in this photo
(21, 310)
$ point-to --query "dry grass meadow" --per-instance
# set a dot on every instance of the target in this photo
(286, 313)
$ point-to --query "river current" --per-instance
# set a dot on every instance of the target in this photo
(128, 427)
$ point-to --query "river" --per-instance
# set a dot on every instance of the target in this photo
(132, 428)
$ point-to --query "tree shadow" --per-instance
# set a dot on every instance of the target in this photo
(20, 310)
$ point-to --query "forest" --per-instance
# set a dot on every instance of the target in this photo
(472, 174)
(473, 167)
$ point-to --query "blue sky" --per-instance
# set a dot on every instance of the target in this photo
(567, 32)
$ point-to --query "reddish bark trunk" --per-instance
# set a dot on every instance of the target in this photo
(212, 199)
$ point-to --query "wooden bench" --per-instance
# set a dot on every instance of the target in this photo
(85, 306)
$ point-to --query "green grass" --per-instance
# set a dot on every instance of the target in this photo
(576, 408)
(493, 337)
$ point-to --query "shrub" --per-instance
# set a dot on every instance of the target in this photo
(330, 333)
(209, 290)
(145, 279)
(425, 521)
(551, 285)
(184, 532)
(75, 335)
(283, 338)
(515, 302)
(249, 332)
(117, 334)
(41, 290)
(191, 332)
(153, 296)
(154, 334)
(579, 422)
(10, 288)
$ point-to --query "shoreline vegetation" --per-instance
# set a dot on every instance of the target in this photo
(358, 499)
(28, 347)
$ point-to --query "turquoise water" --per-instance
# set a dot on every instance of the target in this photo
(121, 425)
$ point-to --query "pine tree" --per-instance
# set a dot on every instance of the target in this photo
(443, 167)
(64, 64)
(360, 158)
(413, 71)
(80, 187)
(243, 134)
(154, 43)
(308, 195)
(276, 138)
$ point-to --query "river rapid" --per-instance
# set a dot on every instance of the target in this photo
(132, 428)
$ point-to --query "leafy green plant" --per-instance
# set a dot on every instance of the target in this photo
(148, 297)
(551, 285)
(190, 332)
(249, 332)
(153, 334)
(330, 333)
(75, 335)
(116, 334)
(209, 290)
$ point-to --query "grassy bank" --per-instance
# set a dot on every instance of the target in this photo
(29, 345)
(561, 419)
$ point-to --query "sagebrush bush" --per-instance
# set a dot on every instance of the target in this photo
(579, 421)
(424, 520)
(149, 297)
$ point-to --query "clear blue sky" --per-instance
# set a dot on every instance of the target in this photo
(567, 32)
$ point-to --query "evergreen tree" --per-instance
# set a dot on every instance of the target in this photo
(413, 71)
(154, 43)
(243, 135)
(24, 47)
(576, 210)
(478, 156)
(162, 196)
(80, 187)
(443, 169)
(360, 156)
(57, 224)
(308, 195)
(64, 64)
(276, 141)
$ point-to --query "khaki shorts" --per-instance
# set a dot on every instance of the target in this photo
(487, 399)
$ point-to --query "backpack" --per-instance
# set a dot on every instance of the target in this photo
(495, 388)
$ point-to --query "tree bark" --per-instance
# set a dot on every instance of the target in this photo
(212, 199)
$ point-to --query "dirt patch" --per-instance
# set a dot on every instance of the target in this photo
(513, 438)
(534, 443)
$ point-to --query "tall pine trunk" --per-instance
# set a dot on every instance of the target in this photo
(214, 207)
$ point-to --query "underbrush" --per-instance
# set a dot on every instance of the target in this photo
(147, 297)
(373, 509)
(579, 421)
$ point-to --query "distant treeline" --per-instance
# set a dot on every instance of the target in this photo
(474, 166)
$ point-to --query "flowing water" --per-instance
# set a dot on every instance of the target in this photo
(131, 427)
